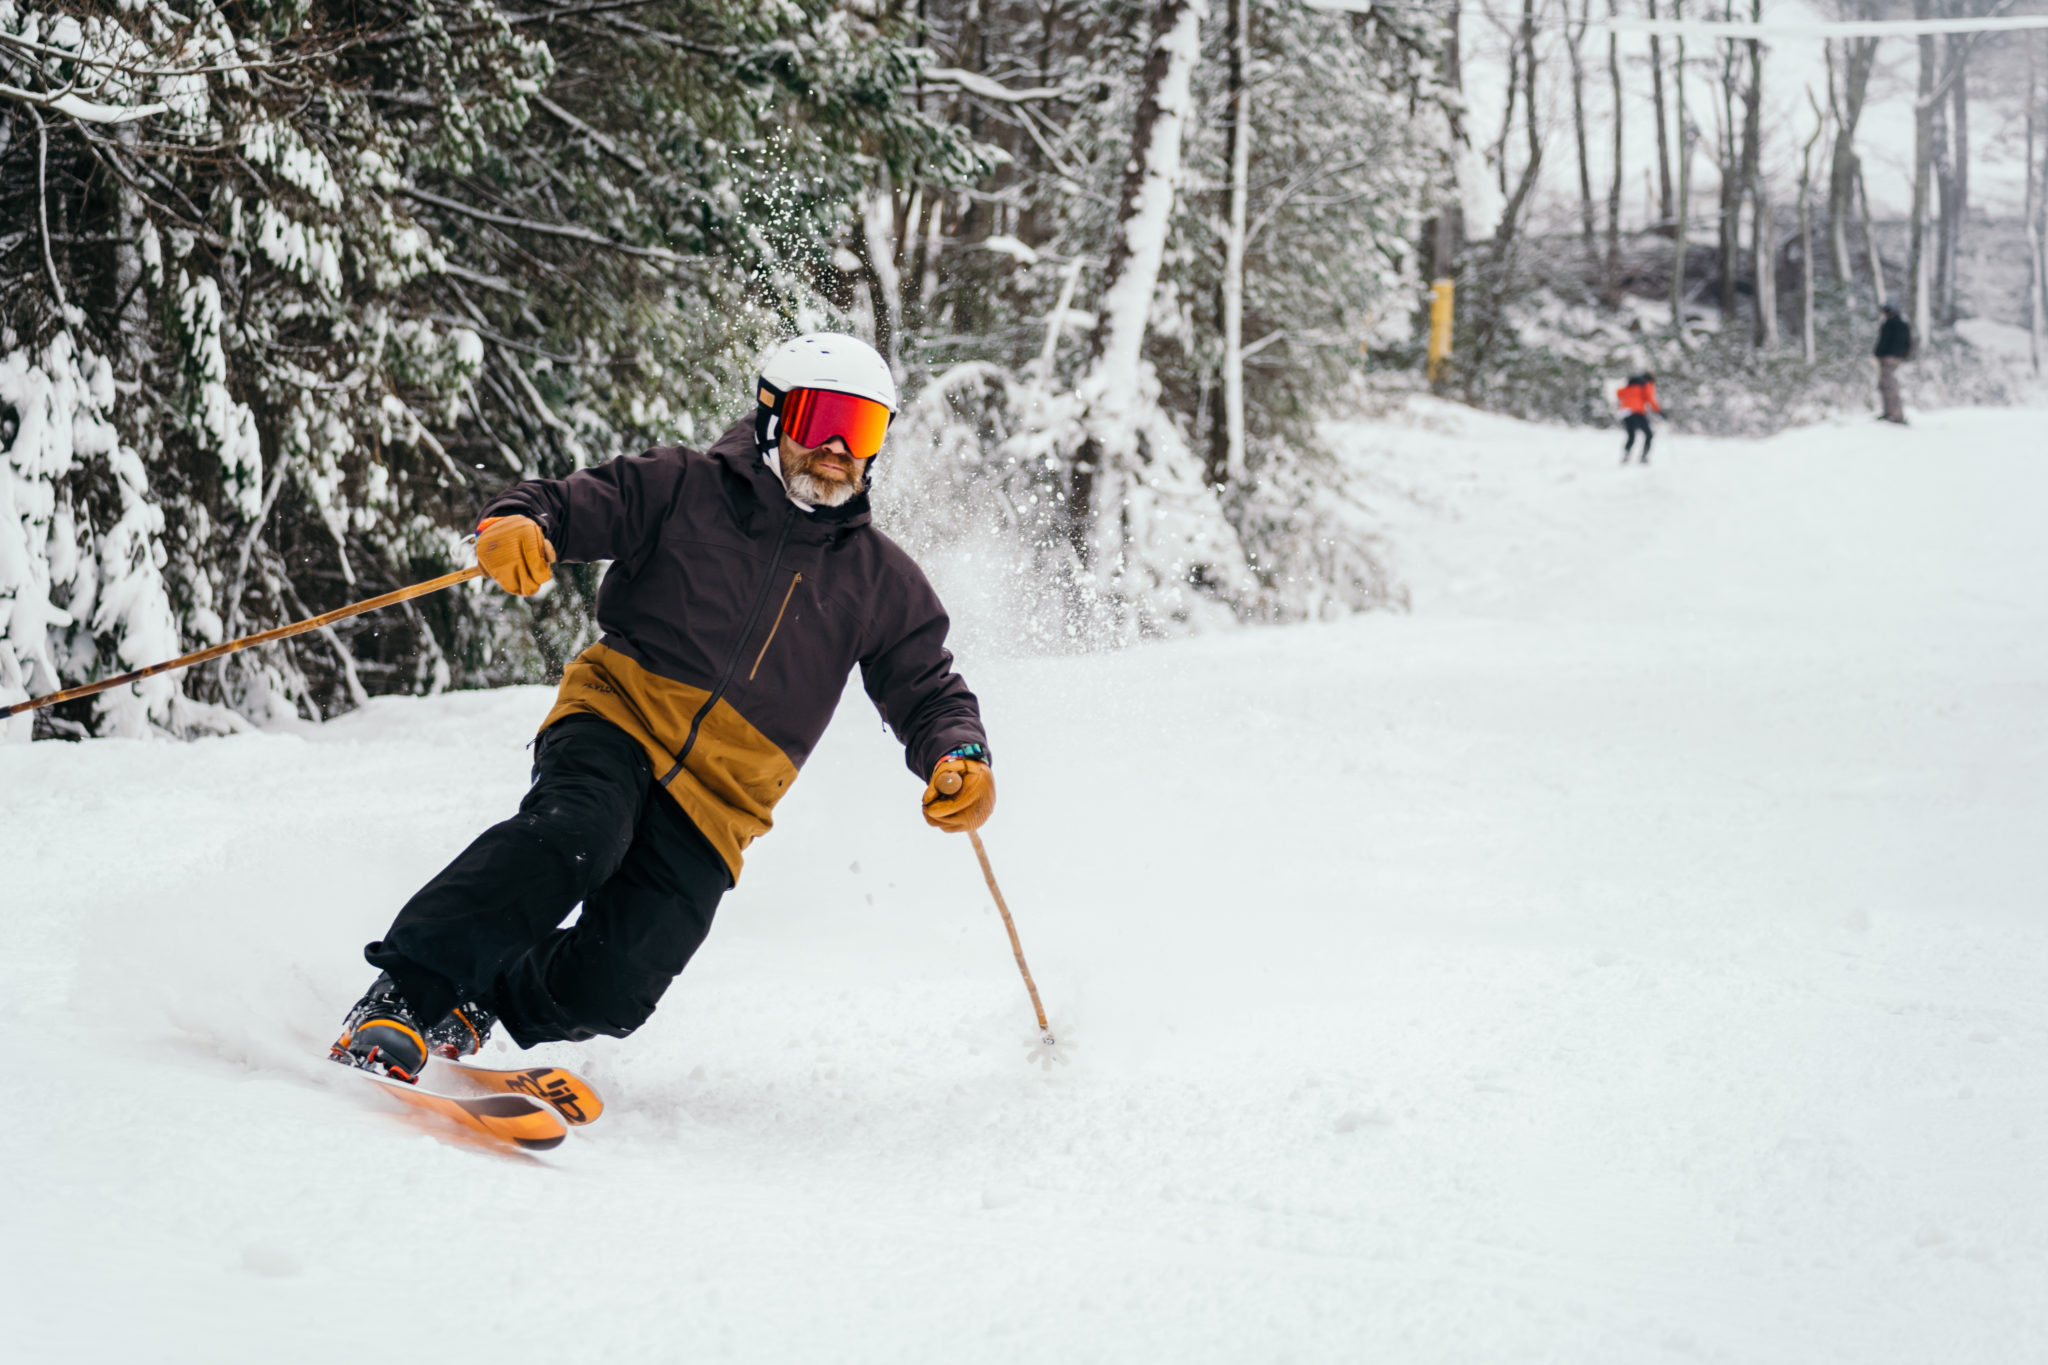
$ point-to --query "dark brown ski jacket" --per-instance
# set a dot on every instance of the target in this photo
(732, 619)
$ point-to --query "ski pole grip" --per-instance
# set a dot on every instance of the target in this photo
(949, 784)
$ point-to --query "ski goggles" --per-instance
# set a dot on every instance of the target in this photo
(811, 417)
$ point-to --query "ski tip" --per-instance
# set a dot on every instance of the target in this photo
(574, 1100)
(509, 1120)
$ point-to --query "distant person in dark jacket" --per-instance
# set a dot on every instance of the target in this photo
(1638, 400)
(1894, 348)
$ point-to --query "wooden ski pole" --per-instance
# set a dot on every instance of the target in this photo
(260, 638)
(1016, 946)
(949, 784)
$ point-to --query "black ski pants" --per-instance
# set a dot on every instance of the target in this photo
(1632, 424)
(592, 828)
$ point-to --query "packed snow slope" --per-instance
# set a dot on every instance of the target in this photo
(1635, 952)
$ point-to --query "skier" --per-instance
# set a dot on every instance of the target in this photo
(1638, 400)
(1894, 348)
(745, 585)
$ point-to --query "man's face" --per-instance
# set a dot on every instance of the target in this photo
(825, 475)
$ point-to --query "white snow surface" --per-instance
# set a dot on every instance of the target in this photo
(1634, 953)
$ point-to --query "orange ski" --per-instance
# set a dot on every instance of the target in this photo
(571, 1097)
(506, 1118)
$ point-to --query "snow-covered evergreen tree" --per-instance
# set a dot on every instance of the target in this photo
(293, 287)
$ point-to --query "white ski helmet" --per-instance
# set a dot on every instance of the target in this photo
(831, 361)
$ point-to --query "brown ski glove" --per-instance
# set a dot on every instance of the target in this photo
(514, 552)
(961, 795)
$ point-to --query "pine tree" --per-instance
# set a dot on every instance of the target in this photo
(352, 268)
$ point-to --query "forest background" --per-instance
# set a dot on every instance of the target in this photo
(289, 289)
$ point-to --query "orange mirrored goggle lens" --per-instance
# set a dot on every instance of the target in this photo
(812, 417)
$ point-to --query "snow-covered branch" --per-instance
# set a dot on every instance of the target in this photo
(155, 71)
(84, 110)
(564, 230)
(942, 78)
(609, 145)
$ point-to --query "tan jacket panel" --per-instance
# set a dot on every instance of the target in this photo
(733, 777)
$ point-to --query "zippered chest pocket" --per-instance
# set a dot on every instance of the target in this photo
(780, 612)
(808, 644)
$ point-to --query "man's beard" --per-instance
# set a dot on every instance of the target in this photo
(805, 486)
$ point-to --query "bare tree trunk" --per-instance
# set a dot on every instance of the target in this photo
(1838, 170)
(1943, 211)
(1956, 202)
(1684, 192)
(1734, 167)
(1240, 136)
(1529, 124)
(1138, 247)
(1575, 37)
(1806, 261)
(1499, 275)
(1937, 88)
(1664, 208)
(1447, 235)
(1845, 99)
(1763, 253)
(1612, 290)
(1917, 262)
(1108, 390)
(2037, 207)
(1763, 231)
(1763, 250)
(1507, 118)
(1879, 289)
(1523, 64)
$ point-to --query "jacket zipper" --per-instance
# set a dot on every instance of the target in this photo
(772, 629)
(753, 619)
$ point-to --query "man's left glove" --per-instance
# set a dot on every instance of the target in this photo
(969, 805)
(515, 552)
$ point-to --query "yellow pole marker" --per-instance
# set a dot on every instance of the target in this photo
(1442, 312)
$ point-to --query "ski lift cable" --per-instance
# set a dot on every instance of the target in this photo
(1711, 29)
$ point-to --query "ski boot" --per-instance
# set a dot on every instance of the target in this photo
(461, 1031)
(382, 1034)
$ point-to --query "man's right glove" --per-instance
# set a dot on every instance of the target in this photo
(961, 795)
(515, 553)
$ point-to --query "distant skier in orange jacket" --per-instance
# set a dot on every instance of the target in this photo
(1638, 400)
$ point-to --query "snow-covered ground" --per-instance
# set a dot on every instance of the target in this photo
(1635, 953)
